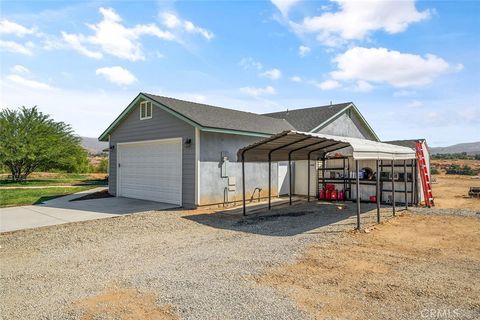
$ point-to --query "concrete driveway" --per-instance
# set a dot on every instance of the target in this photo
(61, 210)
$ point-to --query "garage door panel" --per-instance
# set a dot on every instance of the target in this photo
(151, 171)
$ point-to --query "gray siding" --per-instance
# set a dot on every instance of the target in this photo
(162, 125)
(214, 185)
(347, 125)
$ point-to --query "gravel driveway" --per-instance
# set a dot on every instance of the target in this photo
(202, 266)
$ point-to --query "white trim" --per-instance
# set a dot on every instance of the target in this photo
(119, 144)
(197, 166)
(146, 104)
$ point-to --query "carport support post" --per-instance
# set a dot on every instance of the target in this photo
(269, 181)
(405, 182)
(308, 178)
(243, 183)
(393, 187)
(357, 191)
(290, 177)
(377, 193)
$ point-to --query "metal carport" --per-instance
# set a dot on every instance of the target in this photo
(297, 145)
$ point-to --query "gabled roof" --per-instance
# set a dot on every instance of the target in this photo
(208, 118)
(409, 143)
(308, 119)
(222, 118)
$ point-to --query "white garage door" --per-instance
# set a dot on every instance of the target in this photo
(151, 170)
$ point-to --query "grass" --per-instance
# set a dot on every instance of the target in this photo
(57, 179)
(17, 197)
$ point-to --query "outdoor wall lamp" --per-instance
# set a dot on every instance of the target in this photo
(188, 142)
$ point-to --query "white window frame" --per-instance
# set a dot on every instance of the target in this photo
(145, 105)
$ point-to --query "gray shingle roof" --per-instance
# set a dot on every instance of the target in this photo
(309, 118)
(222, 118)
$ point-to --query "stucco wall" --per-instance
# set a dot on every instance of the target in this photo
(347, 125)
(162, 125)
(213, 177)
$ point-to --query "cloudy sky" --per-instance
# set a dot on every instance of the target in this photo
(411, 67)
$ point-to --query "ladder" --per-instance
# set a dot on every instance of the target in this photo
(424, 175)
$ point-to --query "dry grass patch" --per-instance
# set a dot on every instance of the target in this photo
(124, 304)
(402, 269)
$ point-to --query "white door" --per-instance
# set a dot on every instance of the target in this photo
(150, 170)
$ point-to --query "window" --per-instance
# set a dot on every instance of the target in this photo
(145, 110)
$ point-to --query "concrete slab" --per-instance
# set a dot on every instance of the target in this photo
(62, 210)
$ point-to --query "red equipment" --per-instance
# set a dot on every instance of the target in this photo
(322, 194)
(334, 195)
(373, 199)
(328, 194)
(341, 195)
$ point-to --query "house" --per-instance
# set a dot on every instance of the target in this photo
(181, 152)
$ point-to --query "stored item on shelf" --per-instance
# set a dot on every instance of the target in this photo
(373, 199)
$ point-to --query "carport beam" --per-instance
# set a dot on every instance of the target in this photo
(377, 193)
(357, 190)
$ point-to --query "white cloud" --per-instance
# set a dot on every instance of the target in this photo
(117, 75)
(172, 21)
(28, 82)
(363, 86)
(75, 42)
(303, 51)
(356, 20)
(273, 74)
(380, 65)
(112, 37)
(9, 27)
(296, 79)
(415, 104)
(328, 85)
(253, 91)
(19, 69)
(15, 47)
(403, 93)
(284, 5)
(249, 63)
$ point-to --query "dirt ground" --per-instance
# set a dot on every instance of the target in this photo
(124, 303)
(397, 270)
(451, 191)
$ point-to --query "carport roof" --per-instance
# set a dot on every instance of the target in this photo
(302, 144)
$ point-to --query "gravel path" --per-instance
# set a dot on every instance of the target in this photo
(203, 265)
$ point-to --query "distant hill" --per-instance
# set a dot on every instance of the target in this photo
(92, 145)
(469, 148)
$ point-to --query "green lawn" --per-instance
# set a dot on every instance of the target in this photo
(17, 197)
(58, 179)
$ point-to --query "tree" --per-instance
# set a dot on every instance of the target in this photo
(30, 140)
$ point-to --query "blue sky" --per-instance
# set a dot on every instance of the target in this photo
(411, 67)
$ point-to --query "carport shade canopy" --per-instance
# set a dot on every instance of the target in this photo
(297, 145)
